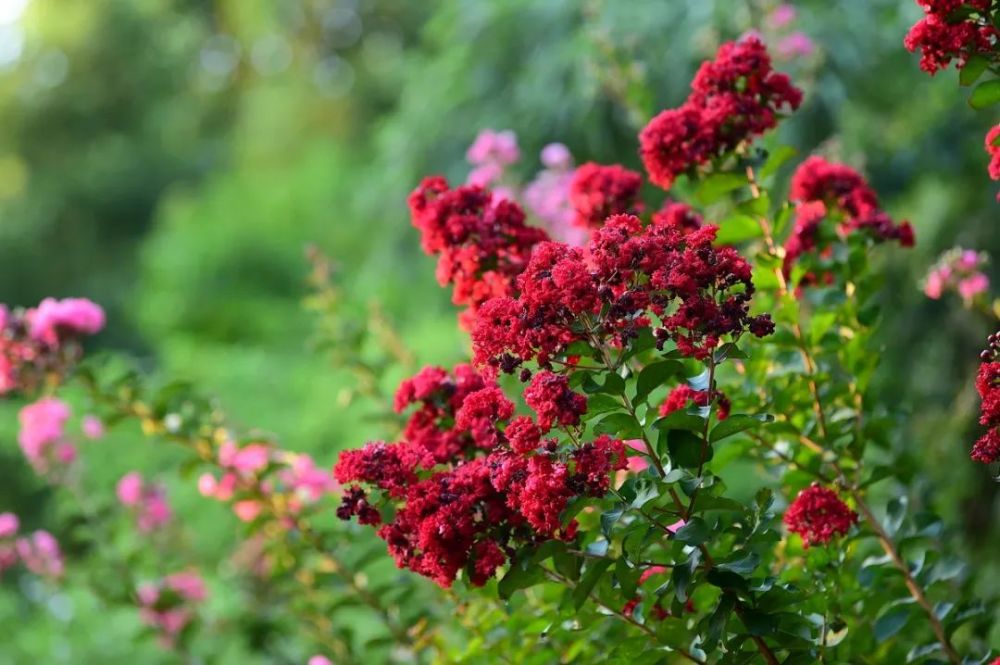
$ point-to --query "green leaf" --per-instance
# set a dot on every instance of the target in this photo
(776, 159)
(620, 425)
(519, 577)
(728, 350)
(602, 403)
(985, 94)
(973, 69)
(738, 228)
(590, 579)
(891, 622)
(714, 187)
(627, 578)
(655, 375)
(681, 578)
(726, 579)
(695, 532)
(608, 520)
(737, 423)
(680, 420)
(568, 565)
(744, 563)
(686, 449)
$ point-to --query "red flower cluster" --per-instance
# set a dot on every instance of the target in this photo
(951, 30)
(598, 192)
(733, 99)
(550, 397)
(987, 448)
(473, 482)
(482, 243)
(822, 190)
(679, 216)
(626, 275)
(818, 514)
(682, 394)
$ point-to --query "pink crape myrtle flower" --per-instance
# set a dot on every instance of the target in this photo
(92, 427)
(307, 481)
(640, 462)
(148, 501)
(40, 554)
(9, 524)
(960, 271)
(547, 197)
(72, 316)
(795, 45)
(189, 589)
(782, 16)
(247, 460)
(492, 147)
(319, 660)
(41, 436)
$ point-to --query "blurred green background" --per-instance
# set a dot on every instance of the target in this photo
(171, 159)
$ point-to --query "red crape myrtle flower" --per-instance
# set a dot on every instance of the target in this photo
(951, 30)
(481, 242)
(597, 192)
(471, 482)
(733, 99)
(827, 190)
(679, 397)
(818, 514)
(549, 396)
(987, 448)
(628, 277)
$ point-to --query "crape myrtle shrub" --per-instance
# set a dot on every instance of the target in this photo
(615, 376)
(625, 356)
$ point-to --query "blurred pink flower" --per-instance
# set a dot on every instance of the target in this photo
(247, 510)
(637, 463)
(40, 554)
(972, 286)
(494, 147)
(797, 44)
(320, 660)
(130, 488)
(75, 316)
(92, 427)
(247, 460)
(41, 433)
(556, 156)
(782, 16)
(9, 524)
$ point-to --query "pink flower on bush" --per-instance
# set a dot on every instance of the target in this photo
(492, 147)
(40, 554)
(307, 481)
(71, 316)
(797, 44)
(148, 501)
(320, 660)
(548, 195)
(782, 16)
(92, 427)
(42, 433)
(960, 271)
(247, 460)
(169, 605)
(9, 525)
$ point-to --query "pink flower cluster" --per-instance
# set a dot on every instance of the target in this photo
(818, 515)
(40, 341)
(147, 501)
(958, 270)
(39, 552)
(491, 153)
(825, 190)
(993, 150)
(471, 481)
(170, 604)
(42, 435)
(791, 43)
(733, 99)
(952, 30)
(547, 197)
(254, 473)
